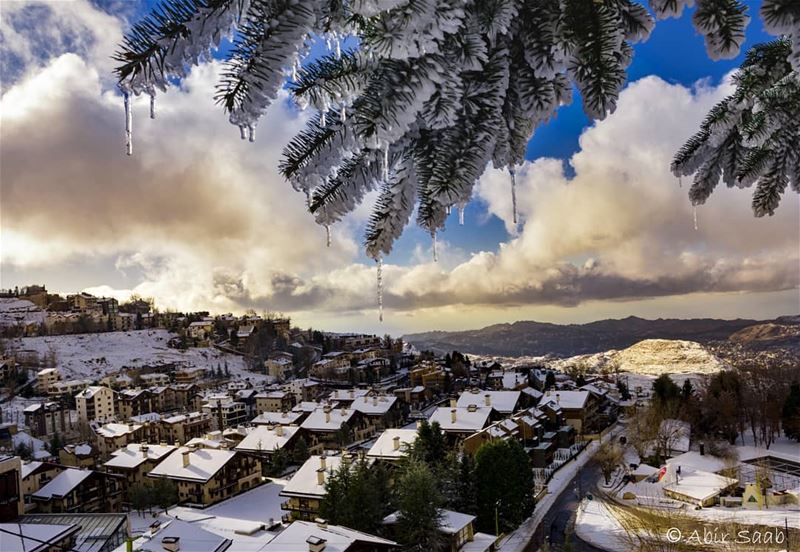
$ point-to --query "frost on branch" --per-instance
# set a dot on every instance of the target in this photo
(751, 136)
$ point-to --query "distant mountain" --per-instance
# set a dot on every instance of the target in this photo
(531, 338)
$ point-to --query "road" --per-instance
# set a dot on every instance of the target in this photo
(559, 521)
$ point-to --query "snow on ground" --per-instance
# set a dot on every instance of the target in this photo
(596, 525)
(96, 355)
(260, 504)
(19, 311)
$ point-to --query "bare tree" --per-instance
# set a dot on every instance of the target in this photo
(609, 456)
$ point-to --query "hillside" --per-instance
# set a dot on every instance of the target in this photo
(538, 338)
(95, 355)
(655, 357)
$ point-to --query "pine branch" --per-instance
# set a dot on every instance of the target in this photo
(722, 23)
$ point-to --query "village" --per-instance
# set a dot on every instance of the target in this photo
(246, 433)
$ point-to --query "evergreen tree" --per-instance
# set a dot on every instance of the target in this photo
(665, 390)
(55, 443)
(435, 91)
(165, 494)
(429, 446)
(356, 496)
(687, 390)
(549, 380)
(418, 501)
(580, 381)
(300, 453)
(790, 418)
(24, 451)
(504, 485)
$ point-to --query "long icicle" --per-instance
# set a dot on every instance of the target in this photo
(380, 289)
(327, 235)
(242, 132)
(461, 214)
(513, 173)
(128, 125)
(386, 162)
(433, 245)
(152, 106)
(251, 131)
(694, 215)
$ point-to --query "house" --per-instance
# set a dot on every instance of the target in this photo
(347, 396)
(79, 490)
(329, 425)
(306, 489)
(503, 402)
(200, 329)
(392, 445)
(205, 476)
(460, 422)
(11, 497)
(308, 536)
(134, 402)
(175, 535)
(95, 404)
(162, 398)
(273, 401)
(36, 475)
(429, 375)
(412, 396)
(114, 436)
(184, 393)
(47, 418)
(334, 366)
(265, 440)
(279, 368)
(579, 408)
(45, 379)
(69, 387)
(377, 411)
(225, 413)
(458, 531)
(81, 455)
(303, 389)
(135, 460)
(155, 378)
(183, 427)
(189, 375)
(695, 486)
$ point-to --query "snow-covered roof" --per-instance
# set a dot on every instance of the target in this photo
(450, 522)
(700, 485)
(306, 406)
(276, 418)
(296, 537)
(35, 536)
(271, 395)
(203, 464)
(502, 401)
(63, 483)
(149, 417)
(305, 482)
(90, 391)
(696, 461)
(384, 446)
(135, 454)
(592, 388)
(565, 399)
(644, 470)
(375, 405)
(191, 538)
(263, 438)
(512, 380)
(466, 419)
(530, 391)
(116, 430)
(347, 394)
(191, 416)
(327, 419)
(28, 468)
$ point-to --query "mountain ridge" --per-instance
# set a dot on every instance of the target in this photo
(533, 338)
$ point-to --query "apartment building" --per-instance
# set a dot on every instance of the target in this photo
(183, 427)
(45, 379)
(273, 401)
(79, 490)
(135, 460)
(95, 404)
(11, 497)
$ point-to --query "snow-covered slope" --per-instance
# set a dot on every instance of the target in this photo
(95, 355)
(19, 311)
(656, 357)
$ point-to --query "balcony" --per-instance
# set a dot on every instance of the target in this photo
(285, 505)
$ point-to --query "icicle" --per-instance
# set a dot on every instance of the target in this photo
(327, 235)
(294, 70)
(128, 125)
(308, 198)
(435, 253)
(322, 119)
(251, 131)
(380, 289)
(338, 43)
(386, 162)
(448, 210)
(242, 133)
(461, 214)
(694, 215)
(343, 113)
(680, 182)
(152, 106)
(513, 173)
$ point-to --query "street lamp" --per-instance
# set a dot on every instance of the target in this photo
(497, 517)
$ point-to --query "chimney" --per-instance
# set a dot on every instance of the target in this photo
(396, 443)
(322, 461)
(453, 415)
(279, 430)
(452, 403)
(284, 415)
(321, 476)
(144, 448)
(558, 398)
(375, 400)
(315, 544)
(472, 408)
(186, 458)
(327, 411)
(171, 544)
(488, 398)
(702, 448)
